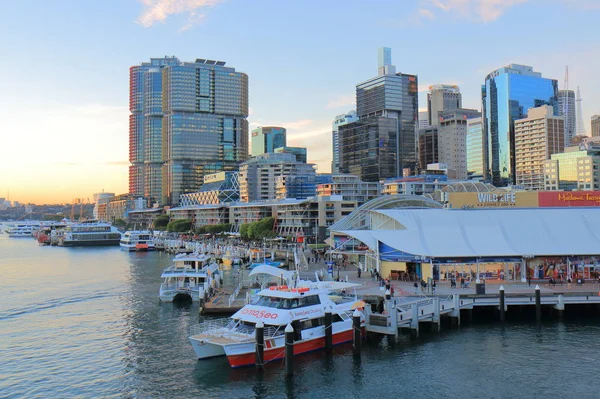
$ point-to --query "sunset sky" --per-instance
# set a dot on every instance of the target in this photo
(64, 74)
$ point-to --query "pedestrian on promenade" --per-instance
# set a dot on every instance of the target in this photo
(416, 287)
(392, 290)
(433, 286)
(529, 280)
(359, 272)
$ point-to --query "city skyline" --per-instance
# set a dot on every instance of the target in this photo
(65, 82)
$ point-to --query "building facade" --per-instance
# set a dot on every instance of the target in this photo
(258, 176)
(441, 98)
(475, 149)
(537, 137)
(423, 120)
(99, 198)
(596, 126)
(507, 94)
(267, 139)
(340, 120)
(428, 146)
(204, 127)
(416, 185)
(218, 188)
(578, 168)
(299, 152)
(349, 187)
(452, 139)
(382, 143)
(566, 109)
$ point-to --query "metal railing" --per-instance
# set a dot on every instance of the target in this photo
(230, 329)
(235, 293)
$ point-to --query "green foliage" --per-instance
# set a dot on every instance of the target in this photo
(214, 229)
(258, 230)
(119, 223)
(179, 226)
(161, 222)
(53, 218)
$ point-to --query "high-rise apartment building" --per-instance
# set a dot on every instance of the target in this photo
(145, 127)
(205, 131)
(578, 168)
(507, 94)
(266, 139)
(566, 109)
(441, 98)
(537, 137)
(340, 120)
(428, 147)
(475, 153)
(382, 143)
(596, 126)
(452, 139)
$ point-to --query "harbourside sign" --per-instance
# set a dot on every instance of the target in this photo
(523, 199)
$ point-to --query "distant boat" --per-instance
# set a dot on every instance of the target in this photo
(137, 240)
(190, 276)
(23, 229)
(88, 233)
(268, 263)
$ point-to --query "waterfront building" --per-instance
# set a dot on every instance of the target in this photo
(295, 186)
(201, 215)
(258, 176)
(145, 127)
(442, 98)
(339, 120)
(428, 146)
(452, 139)
(423, 120)
(299, 152)
(596, 126)
(218, 188)
(382, 143)
(566, 109)
(475, 149)
(349, 187)
(205, 131)
(267, 139)
(143, 218)
(577, 168)
(100, 198)
(507, 94)
(425, 183)
(537, 137)
(118, 207)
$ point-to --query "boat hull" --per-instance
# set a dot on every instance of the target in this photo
(206, 350)
(83, 243)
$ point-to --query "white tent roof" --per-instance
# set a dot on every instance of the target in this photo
(271, 271)
(490, 232)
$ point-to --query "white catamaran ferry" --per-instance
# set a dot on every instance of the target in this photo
(136, 240)
(191, 276)
(303, 307)
(88, 233)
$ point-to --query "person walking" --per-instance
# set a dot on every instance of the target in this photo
(433, 286)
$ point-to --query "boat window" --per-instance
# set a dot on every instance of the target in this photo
(336, 318)
(312, 300)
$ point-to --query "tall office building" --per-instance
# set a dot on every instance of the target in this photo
(578, 168)
(475, 153)
(428, 147)
(204, 127)
(452, 139)
(423, 120)
(537, 137)
(145, 127)
(507, 94)
(441, 98)
(340, 120)
(566, 109)
(382, 143)
(266, 139)
(596, 126)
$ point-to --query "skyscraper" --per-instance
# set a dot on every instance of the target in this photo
(566, 109)
(596, 126)
(340, 120)
(188, 119)
(382, 143)
(441, 98)
(452, 139)
(475, 153)
(266, 139)
(507, 94)
(537, 137)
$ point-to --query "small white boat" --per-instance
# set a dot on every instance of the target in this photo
(137, 240)
(23, 229)
(191, 276)
(302, 307)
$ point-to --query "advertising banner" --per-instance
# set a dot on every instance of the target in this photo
(497, 199)
(569, 198)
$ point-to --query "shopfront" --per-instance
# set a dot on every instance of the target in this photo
(563, 267)
(498, 269)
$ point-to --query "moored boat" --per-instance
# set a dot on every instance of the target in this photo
(191, 276)
(88, 233)
(302, 307)
(136, 240)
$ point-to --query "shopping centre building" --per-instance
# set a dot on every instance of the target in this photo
(492, 236)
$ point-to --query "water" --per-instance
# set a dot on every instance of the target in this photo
(86, 323)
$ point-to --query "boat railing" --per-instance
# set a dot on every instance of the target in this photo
(227, 328)
(180, 286)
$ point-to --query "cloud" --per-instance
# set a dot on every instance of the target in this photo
(159, 10)
(476, 10)
(426, 13)
(342, 101)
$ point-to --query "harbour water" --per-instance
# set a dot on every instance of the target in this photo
(86, 323)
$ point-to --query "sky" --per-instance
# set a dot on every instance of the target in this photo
(64, 76)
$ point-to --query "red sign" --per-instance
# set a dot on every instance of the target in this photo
(569, 198)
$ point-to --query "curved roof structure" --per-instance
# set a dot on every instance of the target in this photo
(359, 218)
(445, 233)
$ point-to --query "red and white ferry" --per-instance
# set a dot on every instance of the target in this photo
(303, 307)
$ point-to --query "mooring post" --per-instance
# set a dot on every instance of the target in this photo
(289, 350)
(538, 304)
(328, 331)
(455, 314)
(502, 305)
(357, 333)
(260, 344)
(435, 318)
(414, 320)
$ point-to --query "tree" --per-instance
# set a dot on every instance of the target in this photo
(179, 225)
(161, 222)
(119, 223)
(258, 230)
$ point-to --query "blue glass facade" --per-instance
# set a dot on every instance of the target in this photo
(507, 95)
(266, 139)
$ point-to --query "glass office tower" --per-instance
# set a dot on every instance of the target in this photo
(475, 149)
(266, 139)
(507, 95)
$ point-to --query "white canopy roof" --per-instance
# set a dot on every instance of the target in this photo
(489, 232)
